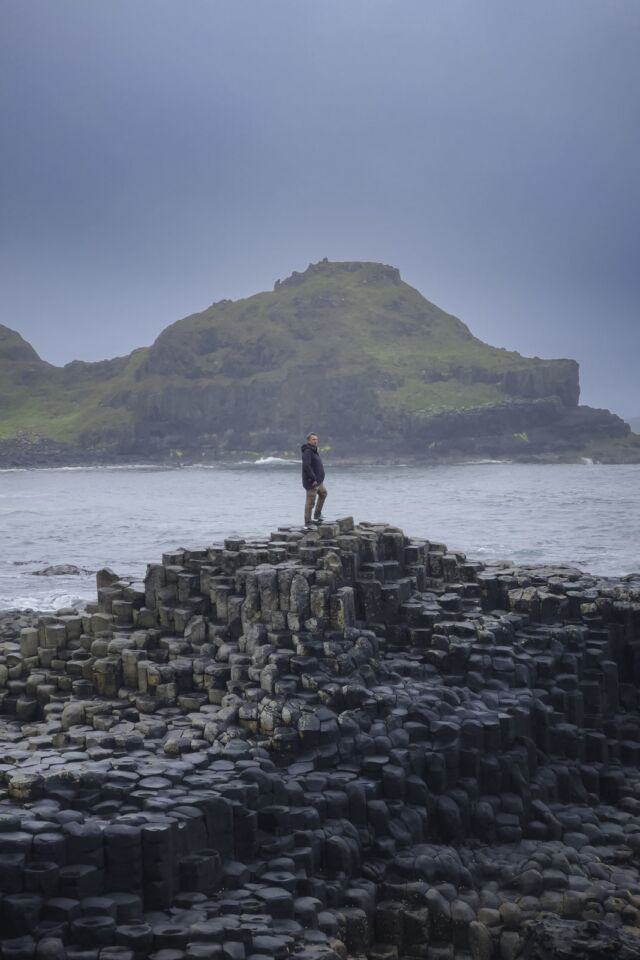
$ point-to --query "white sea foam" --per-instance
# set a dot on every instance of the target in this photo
(46, 602)
(266, 460)
(99, 468)
(482, 463)
(88, 468)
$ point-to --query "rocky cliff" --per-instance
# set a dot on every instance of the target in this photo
(347, 348)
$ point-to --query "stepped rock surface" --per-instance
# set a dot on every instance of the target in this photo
(343, 743)
(348, 349)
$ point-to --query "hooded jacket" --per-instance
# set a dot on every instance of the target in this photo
(312, 469)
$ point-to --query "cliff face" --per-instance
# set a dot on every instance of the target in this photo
(534, 380)
(346, 348)
(553, 378)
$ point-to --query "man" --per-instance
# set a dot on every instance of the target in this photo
(312, 480)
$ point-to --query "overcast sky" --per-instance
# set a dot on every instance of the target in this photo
(158, 155)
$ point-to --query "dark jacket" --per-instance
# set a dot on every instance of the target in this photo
(312, 469)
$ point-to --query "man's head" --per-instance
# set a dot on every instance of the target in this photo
(312, 438)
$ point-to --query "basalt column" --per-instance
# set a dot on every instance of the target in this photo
(345, 742)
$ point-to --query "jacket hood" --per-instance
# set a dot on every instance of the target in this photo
(308, 446)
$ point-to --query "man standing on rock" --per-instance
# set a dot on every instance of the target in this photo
(312, 480)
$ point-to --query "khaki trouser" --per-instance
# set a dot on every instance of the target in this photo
(321, 493)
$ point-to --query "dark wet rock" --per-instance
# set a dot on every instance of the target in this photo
(565, 940)
(310, 744)
(61, 570)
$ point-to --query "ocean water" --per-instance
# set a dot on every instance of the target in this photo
(584, 514)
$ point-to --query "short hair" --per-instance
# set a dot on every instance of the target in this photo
(312, 433)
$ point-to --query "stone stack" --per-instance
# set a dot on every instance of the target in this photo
(321, 744)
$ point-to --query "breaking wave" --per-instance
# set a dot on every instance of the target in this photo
(47, 602)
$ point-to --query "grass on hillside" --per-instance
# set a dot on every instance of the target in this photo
(59, 407)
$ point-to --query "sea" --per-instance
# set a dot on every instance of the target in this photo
(586, 515)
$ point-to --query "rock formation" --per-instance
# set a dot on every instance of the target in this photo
(340, 743)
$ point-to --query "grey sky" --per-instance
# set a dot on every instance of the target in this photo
(158, 155)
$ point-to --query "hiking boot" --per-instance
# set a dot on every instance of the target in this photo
(319, 519)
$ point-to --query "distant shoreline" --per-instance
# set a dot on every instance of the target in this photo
(242, 458)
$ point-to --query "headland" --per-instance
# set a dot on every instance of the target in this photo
(346, 348)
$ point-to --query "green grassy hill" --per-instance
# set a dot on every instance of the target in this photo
(347, 348)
